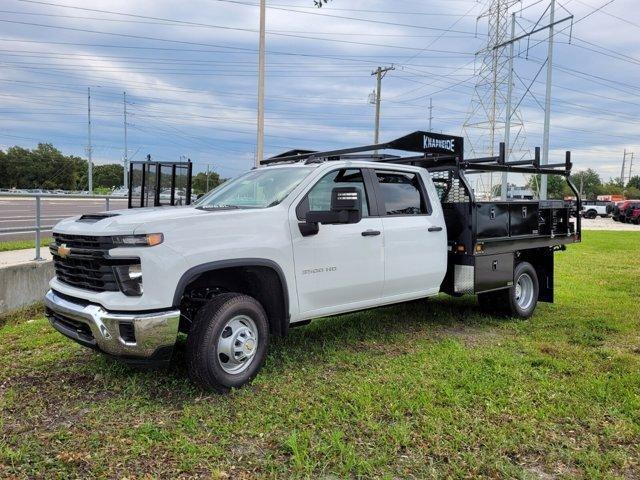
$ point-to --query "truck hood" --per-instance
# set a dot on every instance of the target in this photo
(137, 220)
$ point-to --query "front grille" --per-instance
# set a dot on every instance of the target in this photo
(87, 265)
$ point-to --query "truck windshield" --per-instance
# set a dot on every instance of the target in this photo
(262, 188)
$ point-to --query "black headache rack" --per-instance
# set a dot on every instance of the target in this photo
(156, 184)
(485, 238)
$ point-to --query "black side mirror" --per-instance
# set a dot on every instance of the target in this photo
(346, 207)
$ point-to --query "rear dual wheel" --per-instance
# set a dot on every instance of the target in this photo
(518, 301)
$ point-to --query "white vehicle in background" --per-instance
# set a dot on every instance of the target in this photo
(120, 192)
(596, 208)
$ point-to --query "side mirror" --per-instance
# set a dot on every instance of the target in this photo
(346, 207)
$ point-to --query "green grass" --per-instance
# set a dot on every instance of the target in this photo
(427, 389)
(23, 244)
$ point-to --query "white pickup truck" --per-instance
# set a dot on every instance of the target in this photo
(307, 236)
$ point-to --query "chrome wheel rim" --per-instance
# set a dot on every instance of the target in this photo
(524, 291)
(237, 344)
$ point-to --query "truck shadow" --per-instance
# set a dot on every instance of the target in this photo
(374, 330)
(388, 330)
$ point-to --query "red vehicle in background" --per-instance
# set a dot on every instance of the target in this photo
(635, 215)
(622, 210)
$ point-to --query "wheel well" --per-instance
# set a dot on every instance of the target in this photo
(263, 283)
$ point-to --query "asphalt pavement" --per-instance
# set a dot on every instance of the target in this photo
(20, 213)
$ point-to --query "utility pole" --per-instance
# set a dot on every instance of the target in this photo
(261, 69)
(547, 106)
(125, 160)
(624, 164)
(380, 73)
(430, 113)
(507, 124)
(89, 148)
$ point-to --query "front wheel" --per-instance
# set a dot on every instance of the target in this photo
(518, 301)
(227, 343)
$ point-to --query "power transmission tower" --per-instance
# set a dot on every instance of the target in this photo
(483, 125)
(89, 148)
(494, 89)
(125, 160)
(379, 73)
(261, 73)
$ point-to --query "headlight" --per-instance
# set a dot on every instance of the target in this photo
(129, 279)
(145, 240)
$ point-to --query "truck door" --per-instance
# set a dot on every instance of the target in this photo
(414, 232)
(340, 267)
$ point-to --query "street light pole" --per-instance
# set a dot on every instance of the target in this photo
(547, 106)
(126, 149)
(261, 71)
(89, 148)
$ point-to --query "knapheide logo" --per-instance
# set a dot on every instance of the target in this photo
(448, 144)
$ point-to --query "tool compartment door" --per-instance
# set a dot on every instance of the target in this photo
(493, 272)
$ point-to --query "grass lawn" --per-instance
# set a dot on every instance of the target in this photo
(23, 244)
(427, 389)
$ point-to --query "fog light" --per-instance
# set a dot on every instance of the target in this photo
(129, 279)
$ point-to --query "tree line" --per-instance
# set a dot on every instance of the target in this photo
(45, 167)
(589, 183)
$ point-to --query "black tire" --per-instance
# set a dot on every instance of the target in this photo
(591, 214)
(204, 362)
(506, 301)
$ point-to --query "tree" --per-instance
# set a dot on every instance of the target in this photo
(634, 182)
(319, 3)
(199, 182)
(590, 182)
(612, 187)
(108, 176)
(43, 167)
(47, 168)
(557, 187)
(632, 193)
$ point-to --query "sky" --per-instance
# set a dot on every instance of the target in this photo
(189, 70)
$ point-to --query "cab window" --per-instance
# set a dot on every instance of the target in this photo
(319, 197)
(401, 193)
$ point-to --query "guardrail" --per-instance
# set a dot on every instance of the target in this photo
(38, 228)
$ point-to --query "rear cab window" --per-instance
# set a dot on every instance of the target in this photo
(402, 193)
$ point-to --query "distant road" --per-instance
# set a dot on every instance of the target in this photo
(20, 212)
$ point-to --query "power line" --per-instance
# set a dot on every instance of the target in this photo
(185, 42)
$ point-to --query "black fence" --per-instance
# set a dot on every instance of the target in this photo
(156, 184)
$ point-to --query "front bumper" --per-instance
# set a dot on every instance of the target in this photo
(134, 337)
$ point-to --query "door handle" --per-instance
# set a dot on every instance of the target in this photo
(371, 233)
(435, 229)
